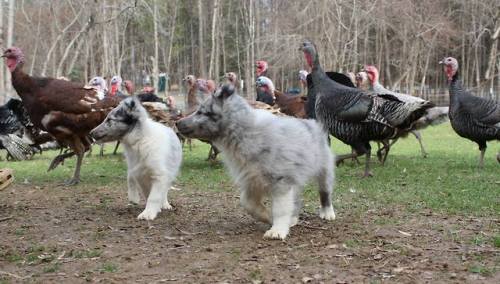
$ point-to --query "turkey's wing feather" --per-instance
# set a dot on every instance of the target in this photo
(484, 111)
(341, 79)
(66, 96)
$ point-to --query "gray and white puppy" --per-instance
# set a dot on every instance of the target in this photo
(153, 153)
(266, 155)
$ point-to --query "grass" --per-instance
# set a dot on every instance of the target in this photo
(447, 181)
(109, 267)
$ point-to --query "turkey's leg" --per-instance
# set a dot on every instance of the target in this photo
(59, 159)
(101, 150)
(419, 138)
(385, 150)
(481, 158)
(340, 158)
(76, 176)
(367, 172)
(116, 147)
(79, 148)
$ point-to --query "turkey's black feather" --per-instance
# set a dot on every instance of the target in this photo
(474, 118)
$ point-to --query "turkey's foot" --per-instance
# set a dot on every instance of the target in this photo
(366, 174)
(58, 160)
(71, 182)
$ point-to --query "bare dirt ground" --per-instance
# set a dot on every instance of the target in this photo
(75, 235)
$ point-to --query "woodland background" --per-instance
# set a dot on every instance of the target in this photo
(405, 39)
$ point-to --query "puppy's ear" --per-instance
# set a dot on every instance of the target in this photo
(131, 103)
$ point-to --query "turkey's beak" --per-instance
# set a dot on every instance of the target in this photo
(441, 62)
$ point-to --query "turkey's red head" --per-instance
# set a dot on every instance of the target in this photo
(190, 80)
(372, 73)
(115, 82)
(13, 57)
(265, 84)
(129, 86)
(261, 67)
(450, 67)
(309, 52)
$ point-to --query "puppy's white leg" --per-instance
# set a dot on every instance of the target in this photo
(251, 200)
(166, 205)
(297, 207)
(133, 189)
(283, 207)
(155, 199)
(325, 181)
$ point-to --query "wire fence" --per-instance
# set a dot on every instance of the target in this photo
(440, 97)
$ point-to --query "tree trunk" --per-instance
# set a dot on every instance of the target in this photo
(3, 94)
(201, 48)
(215, 15)
(10, 38)
(156, 42)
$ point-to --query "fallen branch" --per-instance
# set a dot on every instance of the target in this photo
(13, 275)
(188, 233)
(313, 227)
(5, 218)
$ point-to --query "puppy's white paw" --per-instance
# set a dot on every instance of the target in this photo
(276, 234)
(134, 198)
(148, 214)
(167, 206)
(327, 213)
(133, 201)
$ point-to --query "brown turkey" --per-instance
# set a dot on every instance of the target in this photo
(66, 110)
(292, 105)
(474, 118)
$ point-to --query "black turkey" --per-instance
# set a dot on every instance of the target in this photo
(13, 119)
(311, 93)
(356, 117)
(474, 118)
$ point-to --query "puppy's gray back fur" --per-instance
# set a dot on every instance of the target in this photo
(258, 145)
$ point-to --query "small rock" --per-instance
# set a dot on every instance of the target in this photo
(453, 275)
(307, 279)
(317, 276)
(334, 246)
(427, 275)
(378, 256)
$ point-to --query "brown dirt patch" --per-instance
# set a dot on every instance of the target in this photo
(90, 234)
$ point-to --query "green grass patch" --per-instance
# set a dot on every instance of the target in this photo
(109, 267)
(496, 241)
(480, 269)
(448, 181)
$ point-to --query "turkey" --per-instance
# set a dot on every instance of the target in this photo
(356, 117)
(311, 91)
(66, 110)
(99, 83)
(262, 96)
(12, 121)
(261, 68)
(474, 118)
(194, 95)
(232, 78)
(432, 116)
(362, 81)
(292, 105)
